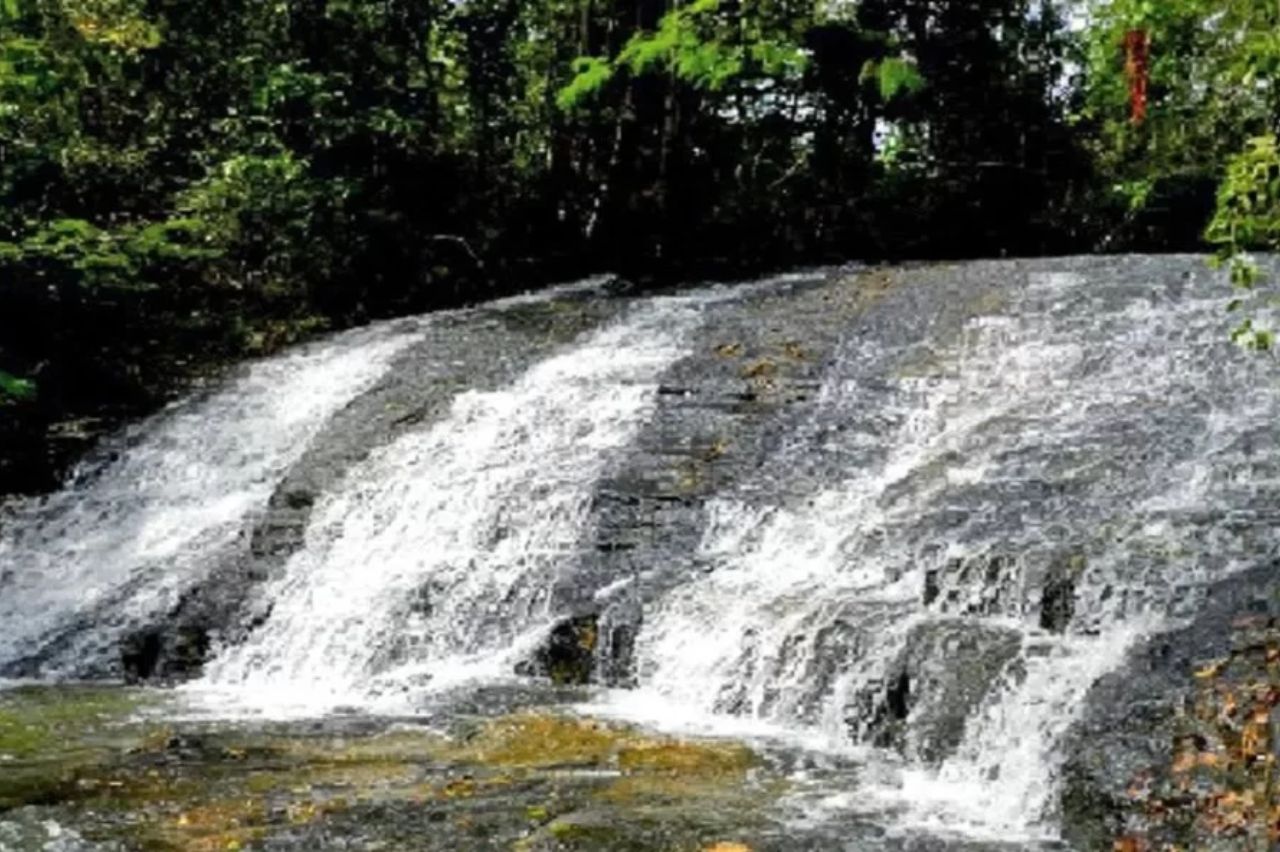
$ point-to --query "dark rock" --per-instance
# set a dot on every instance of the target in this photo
(568, 655)
(615, 656)
(931, 589)
(943, 674)
(177, 653)
(898, 696)
(1057, 600)
(299, 499)
(140, 655)
(1135, 716)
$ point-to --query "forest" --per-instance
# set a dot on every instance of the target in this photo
(187, 184)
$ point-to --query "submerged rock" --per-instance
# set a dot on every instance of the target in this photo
(529, 780)
(29, 830)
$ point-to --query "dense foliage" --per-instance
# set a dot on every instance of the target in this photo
(188, 182)
(1208, 149)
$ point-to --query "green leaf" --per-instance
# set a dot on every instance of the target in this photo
(897, 76)
(15, 388)
(591, 73)
(691, 45)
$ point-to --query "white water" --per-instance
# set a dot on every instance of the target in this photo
(133, 536)
(1022, 400)
(432, 563)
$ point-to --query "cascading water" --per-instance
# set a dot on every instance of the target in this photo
(128, 538)
(1067, 441)
(436, 556)
(1008, 478)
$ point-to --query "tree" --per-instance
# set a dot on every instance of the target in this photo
(186, 183)
(1212, 88)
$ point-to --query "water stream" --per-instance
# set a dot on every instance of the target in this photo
(990, 501)
(433, 560)
(141, 522)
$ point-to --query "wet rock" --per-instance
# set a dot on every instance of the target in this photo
(945, 671)
(29, 829)
(1057, 600)
(1137, 718)
(886, 725)
(931, 590)
(898, 696)
(615, 655)
(979, 584)
(176, 653)
(299, 499)
(140, 655)
(720, 415)
(1057, 604)
(568, 655)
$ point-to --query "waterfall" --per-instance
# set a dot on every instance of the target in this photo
(976, 497)
(1065, 439)
(436, 556)
(128, 537)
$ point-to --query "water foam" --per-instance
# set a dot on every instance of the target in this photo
(1063, 430)
(123, 542)
(432, 564)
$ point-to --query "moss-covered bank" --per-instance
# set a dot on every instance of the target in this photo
(104, 764)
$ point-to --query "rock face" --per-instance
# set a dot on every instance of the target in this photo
(460, 351)
(924, 509)
(938, 682)
(1124, 747)
(568, 656)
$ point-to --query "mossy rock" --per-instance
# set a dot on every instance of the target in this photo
(90, 764)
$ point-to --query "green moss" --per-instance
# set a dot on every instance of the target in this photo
(538, 741)
(37, 721)
(576, 834)
(682, 757)
(576, 782)
(48, 736)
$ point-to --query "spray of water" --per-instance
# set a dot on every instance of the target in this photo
(1042, 444)
(433, 561)
(125, 541)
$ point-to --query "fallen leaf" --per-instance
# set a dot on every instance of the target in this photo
(1184, 762)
